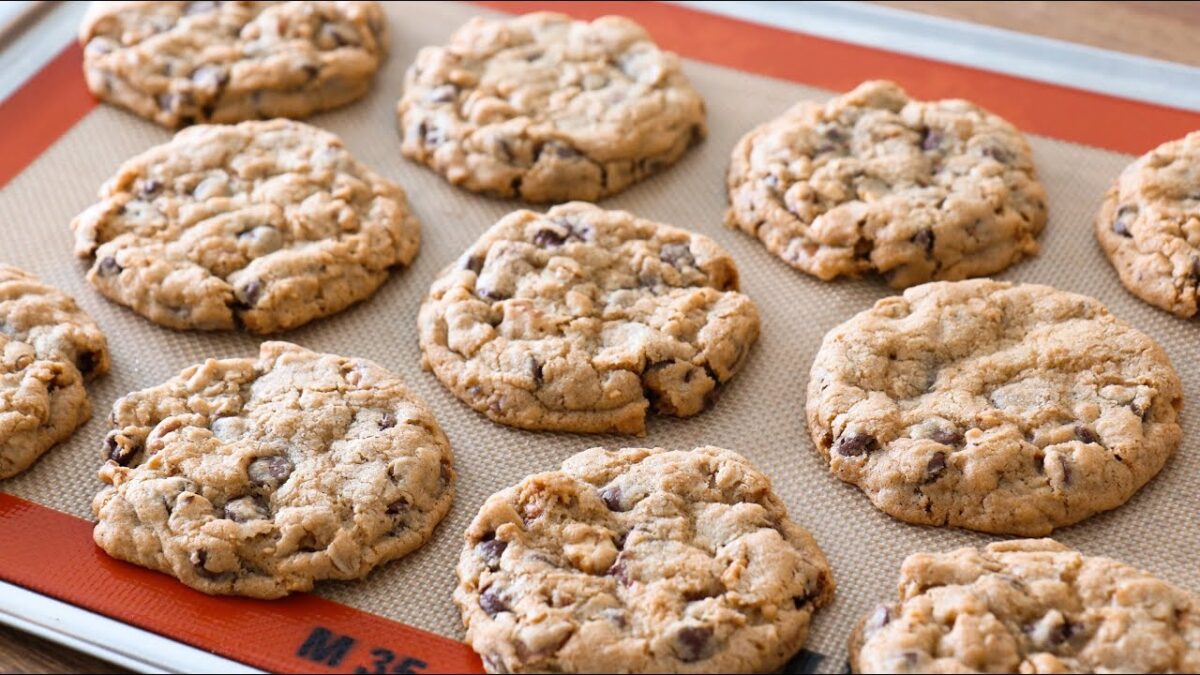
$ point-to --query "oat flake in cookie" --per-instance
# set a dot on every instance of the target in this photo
(261, 477)
(640, 560)
(874, 182)
(1028, 606)
(265, 224)
(548, 109)
(582, 319)
(179, 63)
(996, 407)
(1149, 226)
(48, 349)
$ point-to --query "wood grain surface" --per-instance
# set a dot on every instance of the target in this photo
(1163, 30)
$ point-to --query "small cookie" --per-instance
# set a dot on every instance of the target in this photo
(874, 182)
(548, 109)
(268, 225)
(261, 477)
(582, 319)
(1149, 226)
(48, 349)
(640, 560)
(1028, 606)
(996, 407)
(179, 63)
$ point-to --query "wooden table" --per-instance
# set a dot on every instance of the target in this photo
(1163, 30)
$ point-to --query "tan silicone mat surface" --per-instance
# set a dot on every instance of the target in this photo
(760, 413)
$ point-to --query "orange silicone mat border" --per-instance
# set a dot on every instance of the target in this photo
(52, 553)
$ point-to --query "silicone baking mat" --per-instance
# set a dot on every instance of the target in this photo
(61, 145)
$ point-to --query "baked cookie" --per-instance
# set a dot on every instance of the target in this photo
(179, 63)
(548, 109)
(1149, 226)
(996, 407)
(48, 349)
(268, 225)
(638, 560)
(1028, 606)
(582, 319)
(261, 477)
(874, 182)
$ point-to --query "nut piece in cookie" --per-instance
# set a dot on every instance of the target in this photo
(1003, 408)
(640, 560)
(582, 319)
(49, 348)
(260, 477)
(874, 182)
(268, 225)
(1028, 606)
(548, 109)
(179, 63)
(1149, 226)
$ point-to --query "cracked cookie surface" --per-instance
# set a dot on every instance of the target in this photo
(1149, 226)
(640, 560)
(874, 182)
(582, 319)
(48, 348)
(264, 224)
(1032, 606)
(996, 407)
(179, 63)
(548, 109)
(260, 477)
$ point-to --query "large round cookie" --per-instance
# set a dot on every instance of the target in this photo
(261, 477)
(548, 109)
(179, 63)
(997, 407)
(1028, 606)
(582, 319)
(874, 182)
(264, 224)
(48, 349)
(1149, 226)
(640, 560)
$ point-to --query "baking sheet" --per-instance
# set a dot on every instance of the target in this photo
(760, 413)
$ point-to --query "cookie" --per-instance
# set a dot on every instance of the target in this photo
(996, 407)
(1032, 606)
(548, 109)
(876, 183)
(260, 477)
(1149, 226)
(48, 348)
(582, 319)
(179, 63)
(267, 225)
(640, 560)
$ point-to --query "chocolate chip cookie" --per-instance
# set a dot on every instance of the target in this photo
(1028, 606)
(640, 560)
(582, 319)
(548, 109)
(996, 407)
(874, 182)
(261, 477)
(267, 225)
(1149, 226)
(180, 63)
(48, 348)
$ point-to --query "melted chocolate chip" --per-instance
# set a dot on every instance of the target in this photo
(86, 362)
(1065, 464)
(149, 187)
(488, 294)
(853, 444)
(936, 467)
(612, 498)
(547, 237)
(1061, 633)
(474, 264)
(117, 452)
(678, 255)
(491, 551)
(924, 239)
(490, 602)
(249, 294)
(619, 571)
(931, 140)
(535, 368)
(1125, 216)
(397, 507)
(1086, 435)
(387, 421)
(948, 437)
(999, 154)
(108, 266)
(270, 471)
(691, 643)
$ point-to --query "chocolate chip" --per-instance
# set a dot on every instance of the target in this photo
(936, 467)
(474, 264)
(691, 643)
(489, 294)
(397, 507)
(1085, 434)
(117, 451)
(443, 94)
(999, 154)
(547, 237)
(1061, 633)
(612, 498)
(947, 437)
(108, 266)
(339, 33)
(931, 139)
(310, 70)
(1138, 410)
(1065, 464)
(491, 551)
(270, 471)
(679, 255)
(924, 239)
(430, 135)
(200, 559)
(490, 602)
(210, 76)
(536, 369)
(563, 151)
(853, 444)
(619, 571)
(248, 295)
(1125, 216)
(86, 362)
(149, 187)
(387, 421)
